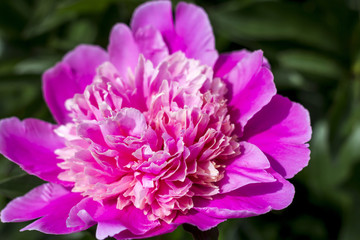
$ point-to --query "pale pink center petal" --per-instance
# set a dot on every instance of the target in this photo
(154, 140)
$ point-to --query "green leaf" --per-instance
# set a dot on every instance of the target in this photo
(321, 162)
(349, 155)
(46, 16)
(350, 228)
(273, 21)
(35, 65)
(290, 79)
(85, 6)
(310, 63)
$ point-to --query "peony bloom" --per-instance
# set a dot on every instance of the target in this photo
(157, 131)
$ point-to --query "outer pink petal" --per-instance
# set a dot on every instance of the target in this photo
(202, 221)
(112, 221)
(83, 62)
(123, 50)
(249, 167)
(70, 76)
(159, 230)
(250, 200)
(227, 61)
(157, 14)
(195, 35)
(251, 87)
(51, 202)
(34, 204)
(31, 144)
(130, 217)
(151, 44)
(55, 221)
(281, 130)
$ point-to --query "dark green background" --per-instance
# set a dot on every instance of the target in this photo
(313, 47)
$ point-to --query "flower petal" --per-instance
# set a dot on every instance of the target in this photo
(34, 204)
(198, 40)
(83, 61)
(283, 135)
(227, 61)
(51, 202)
(111, 220)
(70, 76)
(151, 44)
(130, 217)
(123, 50)
(159, 230)
(31, 144)
(250, 200)
(55, 221)
(157, 14)
(203, 221)
(249, 167)
(251, 87)
(109, 229)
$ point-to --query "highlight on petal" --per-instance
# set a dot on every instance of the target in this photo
(70, 76)
(283, 136)
(31, 144)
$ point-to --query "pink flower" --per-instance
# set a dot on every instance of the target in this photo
(156, 132)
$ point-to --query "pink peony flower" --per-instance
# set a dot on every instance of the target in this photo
(156, 132)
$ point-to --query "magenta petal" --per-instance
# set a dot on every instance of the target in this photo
(250, 200)
(71, 76)
(251, 87)
(159, 230)
(78, 216)
(227, 61)
(123, 50)
(54, 222)
(198, 40)
(34, 204)
(83, 62)
(130, 217)
(249, 167)
(202, 221)
(51, 202)
(31, 144)
(157, 14)
(283, 135)
(109, 229)
(151, 44)
(111, 220)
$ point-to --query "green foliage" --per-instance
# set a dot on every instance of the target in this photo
(313, 47)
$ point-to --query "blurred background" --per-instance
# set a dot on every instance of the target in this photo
(313, 47)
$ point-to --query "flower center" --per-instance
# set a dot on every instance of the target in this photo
(154, 139)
